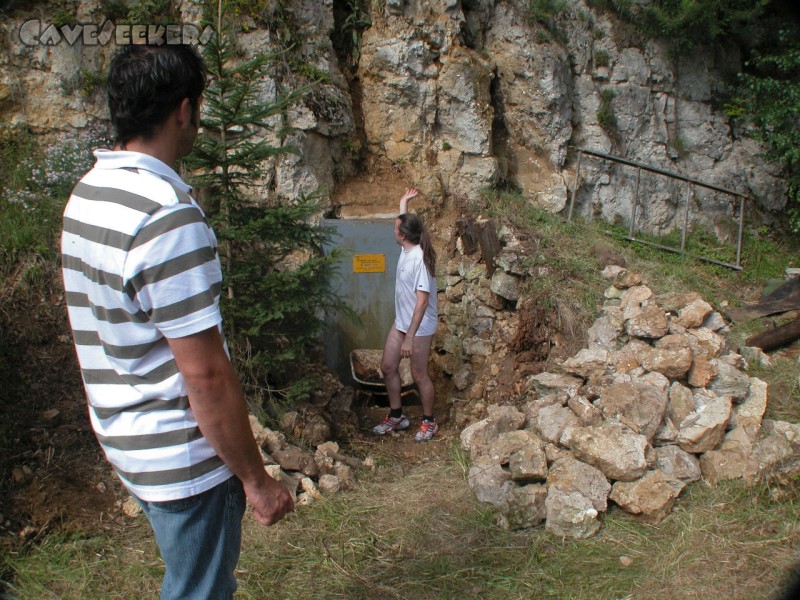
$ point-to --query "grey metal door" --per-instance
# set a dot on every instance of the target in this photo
(365, 285)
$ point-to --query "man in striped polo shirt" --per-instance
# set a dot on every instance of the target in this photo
(143, 280)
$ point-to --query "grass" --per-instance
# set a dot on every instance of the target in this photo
(784, 393)
(606, 117)
(75, 565)
(417, 530)
(24, 229)
(34, 184)
(568, 250)
(26, 233)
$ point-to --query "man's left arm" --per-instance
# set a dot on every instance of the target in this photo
(219, 407)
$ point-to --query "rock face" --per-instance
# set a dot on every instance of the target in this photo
(616, 425)
(459, 96)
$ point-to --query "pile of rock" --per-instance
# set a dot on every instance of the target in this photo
(654, 402)
(308, 475)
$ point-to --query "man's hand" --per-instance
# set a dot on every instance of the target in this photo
(271, 501)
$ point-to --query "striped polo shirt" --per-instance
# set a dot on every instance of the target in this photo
(140, 265)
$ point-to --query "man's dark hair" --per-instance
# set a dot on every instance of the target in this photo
(146, 83)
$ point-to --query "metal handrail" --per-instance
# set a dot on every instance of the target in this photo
(690, 181)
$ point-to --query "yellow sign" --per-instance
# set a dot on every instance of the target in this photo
(369, 263)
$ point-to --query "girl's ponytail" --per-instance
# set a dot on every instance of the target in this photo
(428, 253)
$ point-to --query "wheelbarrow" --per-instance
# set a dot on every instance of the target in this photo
(365, 366)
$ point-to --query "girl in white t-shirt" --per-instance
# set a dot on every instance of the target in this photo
(416, 317)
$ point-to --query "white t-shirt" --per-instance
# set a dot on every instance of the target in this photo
(413, 276)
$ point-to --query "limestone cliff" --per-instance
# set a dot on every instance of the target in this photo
(452, 96)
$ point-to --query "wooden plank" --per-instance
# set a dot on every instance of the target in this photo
(766, 308)
(785, 290)
(465, 229)
(777, 337)
(490, 245)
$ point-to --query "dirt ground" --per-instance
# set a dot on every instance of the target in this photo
(56, 476)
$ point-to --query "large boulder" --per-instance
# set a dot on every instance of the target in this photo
(650, 498)
(639, 406)
(618, 452)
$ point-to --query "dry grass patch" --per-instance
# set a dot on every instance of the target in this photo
(420, 531)
(414, 529)
(725, 541)
(783, 377)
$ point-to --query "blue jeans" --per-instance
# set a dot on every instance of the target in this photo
(199, 538)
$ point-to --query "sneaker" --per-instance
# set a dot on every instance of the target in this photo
(427, 429)
(391, 424)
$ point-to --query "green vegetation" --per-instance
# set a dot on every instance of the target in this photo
(63, 18)
(34, 184)
(605, 114)
(768, 96)
(309, 71)
(679, 145)
(276, 15)
(275, 292)
(115, 10)
(784, 393)
(546, 11)
(91, 82)
(685, 26)
(350, 27)
(601, 58)
(139, 12)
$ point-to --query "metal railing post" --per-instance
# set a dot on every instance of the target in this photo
(635, 201)
(574, 187)
(686, 217)
(741, 230)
